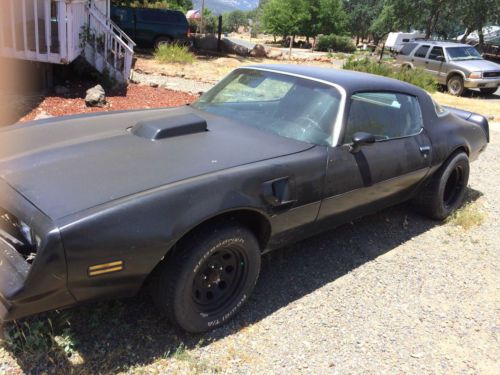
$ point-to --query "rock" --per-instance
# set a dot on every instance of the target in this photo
(274, 54)
(153, 84)
(259, 51)
(42, 115)
(207, 42)
(96, 97)
(61, 90)
(237, 49)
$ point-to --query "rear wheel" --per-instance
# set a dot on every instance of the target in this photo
(488, 90)
(163, 41)
(445, 192)
(209, 278)
(455, 85)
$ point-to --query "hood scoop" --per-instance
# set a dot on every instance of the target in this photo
(169, 127)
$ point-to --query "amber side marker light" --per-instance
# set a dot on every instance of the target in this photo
(100, 269)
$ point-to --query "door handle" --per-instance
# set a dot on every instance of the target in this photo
(278, 193)
(425, 150)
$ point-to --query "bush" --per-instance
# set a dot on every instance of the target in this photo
(173, 53)
(417, 77)
(335, 43)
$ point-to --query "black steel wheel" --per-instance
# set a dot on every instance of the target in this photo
(445, 191)
(208, 279)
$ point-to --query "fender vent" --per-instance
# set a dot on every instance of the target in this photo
(168, 127)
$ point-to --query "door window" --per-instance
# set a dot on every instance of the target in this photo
(422, 51)
(385, 115)
(407, 49)
(436, 53)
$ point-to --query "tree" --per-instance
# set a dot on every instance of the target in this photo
(476, 14)
(362, 14)
(332, 17)
(285, 17)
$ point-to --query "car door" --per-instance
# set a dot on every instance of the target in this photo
(435, 64)
(419, 56)
(385, 172)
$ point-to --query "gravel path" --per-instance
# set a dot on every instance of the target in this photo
(392, 293)
(172, 83)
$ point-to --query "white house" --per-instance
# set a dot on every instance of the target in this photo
(58, 31)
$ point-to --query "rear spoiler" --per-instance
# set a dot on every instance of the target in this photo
(472, 117)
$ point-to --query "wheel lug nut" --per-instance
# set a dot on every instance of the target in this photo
(209, 285)
(204, 277)
(220, 269)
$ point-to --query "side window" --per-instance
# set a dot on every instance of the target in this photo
(407, 49)
(436, 53)
(385, 115)
(422, 51)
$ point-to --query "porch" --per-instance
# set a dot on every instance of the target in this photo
(58, 31)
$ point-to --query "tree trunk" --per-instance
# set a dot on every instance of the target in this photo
(468, 31)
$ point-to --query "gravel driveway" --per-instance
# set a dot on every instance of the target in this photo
(391, 293)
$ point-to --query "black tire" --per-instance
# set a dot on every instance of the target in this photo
(208, 279)
(163, 40)
(488, 90)
(455, 85)
(445, 192)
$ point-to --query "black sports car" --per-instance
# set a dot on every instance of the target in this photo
(185, 200)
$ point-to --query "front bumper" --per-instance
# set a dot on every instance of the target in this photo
(27, 289)
(482, 83)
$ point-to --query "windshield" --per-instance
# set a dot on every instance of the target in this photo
(463, 53)
(285, 105)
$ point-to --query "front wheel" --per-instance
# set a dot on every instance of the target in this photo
(209, 278)
(456, 85)
(445, 192)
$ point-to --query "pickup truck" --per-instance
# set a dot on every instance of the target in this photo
(151, 27)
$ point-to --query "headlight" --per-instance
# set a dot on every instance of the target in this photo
(476, 75)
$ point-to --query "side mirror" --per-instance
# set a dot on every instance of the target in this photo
(441, 58)
(361, 139)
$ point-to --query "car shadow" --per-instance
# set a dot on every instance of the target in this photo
(115, 336)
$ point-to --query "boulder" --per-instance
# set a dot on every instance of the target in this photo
(206, 42)
(96, 97)
(259, 50)
(274, 54)
(237, 49)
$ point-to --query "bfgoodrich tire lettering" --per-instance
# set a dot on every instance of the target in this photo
(445, 192)
(209, 278)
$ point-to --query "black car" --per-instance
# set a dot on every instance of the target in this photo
(151, 27)
(185, 200)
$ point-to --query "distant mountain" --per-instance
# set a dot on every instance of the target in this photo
(223, 6)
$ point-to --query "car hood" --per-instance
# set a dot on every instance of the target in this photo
(70, 164)
(477, 65)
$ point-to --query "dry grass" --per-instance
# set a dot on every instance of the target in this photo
(481, 105)
(467, 217)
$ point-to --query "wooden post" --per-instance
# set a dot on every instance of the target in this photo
(48, 31)
(62, 32)
(219, 36)
(291, 45)
(202, 18)
(382, 53)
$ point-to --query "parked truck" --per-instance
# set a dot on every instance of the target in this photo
(151, 27)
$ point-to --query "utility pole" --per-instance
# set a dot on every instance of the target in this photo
(202, 18)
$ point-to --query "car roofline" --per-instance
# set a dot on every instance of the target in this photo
(337, 126)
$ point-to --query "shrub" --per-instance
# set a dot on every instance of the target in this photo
(173, 53)
(417, 77)
(335, 43)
